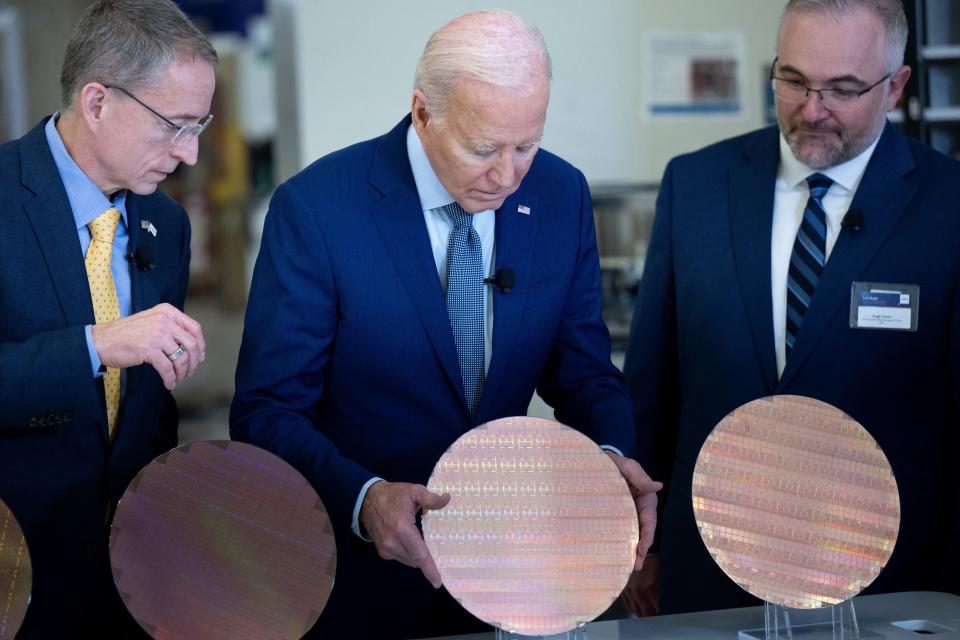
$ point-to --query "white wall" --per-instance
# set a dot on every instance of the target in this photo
(353, 62)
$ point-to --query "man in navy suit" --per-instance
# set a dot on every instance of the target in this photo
(355, 366)
(758, 283)
(137, 83)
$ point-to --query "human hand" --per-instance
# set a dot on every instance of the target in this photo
(644, 493)
(641, 596)
(389, 515)
(150, 337)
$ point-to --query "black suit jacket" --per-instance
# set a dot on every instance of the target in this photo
(702, 341)
(58, 471)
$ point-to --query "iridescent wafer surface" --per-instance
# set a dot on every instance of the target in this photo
(222, 540)
(796, 501)
(540, 533)
(16, 575)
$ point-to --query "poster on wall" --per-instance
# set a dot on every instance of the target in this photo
(13, 91)
(693, 73)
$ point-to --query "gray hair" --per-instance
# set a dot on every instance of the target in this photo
(890, 13)
(497, 47)
(128, 43)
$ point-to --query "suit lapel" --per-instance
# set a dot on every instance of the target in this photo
(53, 224)
(882, 196)
(52, 220)
(514, 238)
(751, 192)
(399, 217)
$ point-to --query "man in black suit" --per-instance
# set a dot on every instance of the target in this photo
(93, 275)
(763, 255)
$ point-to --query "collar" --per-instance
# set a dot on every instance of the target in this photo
(86, 199)
(433, 194)
(794, 173)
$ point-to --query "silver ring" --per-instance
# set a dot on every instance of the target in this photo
(176, 354)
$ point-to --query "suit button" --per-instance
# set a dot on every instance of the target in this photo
(90, 548)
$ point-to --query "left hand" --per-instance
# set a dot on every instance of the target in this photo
(644, 492)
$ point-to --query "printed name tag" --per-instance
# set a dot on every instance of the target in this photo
(881, 305)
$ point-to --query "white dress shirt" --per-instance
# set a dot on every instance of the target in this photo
(789, 201)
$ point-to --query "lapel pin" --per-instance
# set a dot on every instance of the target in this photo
(148, 226)
(524, 209)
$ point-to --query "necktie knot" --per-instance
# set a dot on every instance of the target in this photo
(460, 218)
(104, 227)
(819, 185)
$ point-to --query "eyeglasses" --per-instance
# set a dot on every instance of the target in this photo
(182, 135)
(833, 99)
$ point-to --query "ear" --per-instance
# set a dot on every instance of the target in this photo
(93, 104)
(898, 82)
(420, 112)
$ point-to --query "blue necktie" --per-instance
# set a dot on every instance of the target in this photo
(465, 293)
(808, 257)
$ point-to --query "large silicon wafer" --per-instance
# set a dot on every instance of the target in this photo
(540, 533)
(16, 575)
(796, 501)
(222, 540)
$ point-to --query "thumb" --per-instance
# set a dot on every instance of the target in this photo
(428, 500)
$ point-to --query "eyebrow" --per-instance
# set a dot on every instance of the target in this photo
(785, 68)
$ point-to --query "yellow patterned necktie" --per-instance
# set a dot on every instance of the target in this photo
(103, 292)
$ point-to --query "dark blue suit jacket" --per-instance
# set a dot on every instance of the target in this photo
(348, 368)
(702, 340)
(58, 472)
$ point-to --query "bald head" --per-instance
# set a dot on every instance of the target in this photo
(493, 47)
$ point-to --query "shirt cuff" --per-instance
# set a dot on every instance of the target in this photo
(609, 447)
(355, 525)
(95, 362)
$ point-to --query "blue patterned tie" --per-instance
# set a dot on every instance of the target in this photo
(465, 291)
(808, 257)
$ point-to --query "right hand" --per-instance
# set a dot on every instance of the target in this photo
(642, 593)
(149, 337)
(389, 515)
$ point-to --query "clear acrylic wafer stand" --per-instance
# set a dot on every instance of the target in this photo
(837, 622)
(579, 633)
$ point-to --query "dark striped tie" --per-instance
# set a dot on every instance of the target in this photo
(465, 292)
(808, 257)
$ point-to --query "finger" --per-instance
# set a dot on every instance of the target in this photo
(192, 327)
(633, 473)
(190, 353)
(647, 515)
(420, 556)
(161, 363)
(638, 478)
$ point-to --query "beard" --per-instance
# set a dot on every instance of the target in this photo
(824, 145)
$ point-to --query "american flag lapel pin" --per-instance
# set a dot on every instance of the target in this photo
(148, 227)
(524, 209)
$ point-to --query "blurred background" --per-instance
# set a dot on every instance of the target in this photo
(635, 83)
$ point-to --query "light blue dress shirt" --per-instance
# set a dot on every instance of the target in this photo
(433, 196)
(88, 202)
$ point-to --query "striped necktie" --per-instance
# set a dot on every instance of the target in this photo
(103, 294)
(808, 257)
(465, 291)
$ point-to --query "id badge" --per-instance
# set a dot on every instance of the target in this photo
(882, 305)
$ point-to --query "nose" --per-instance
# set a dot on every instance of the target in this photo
(813, 109)
(186, 151)
(502, 171)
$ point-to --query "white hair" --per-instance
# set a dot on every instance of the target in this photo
(497, 47)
